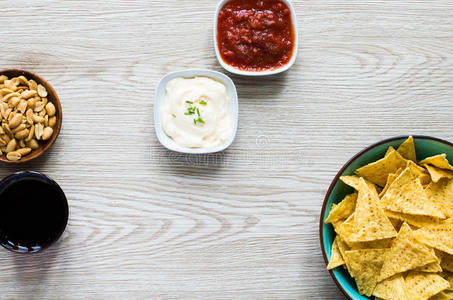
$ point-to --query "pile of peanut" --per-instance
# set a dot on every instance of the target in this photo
(27, 116)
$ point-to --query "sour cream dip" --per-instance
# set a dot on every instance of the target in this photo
(195, 113)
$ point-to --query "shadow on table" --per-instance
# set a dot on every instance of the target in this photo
(32, 270)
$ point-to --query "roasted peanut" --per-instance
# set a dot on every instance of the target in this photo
(11, 146)
(42, 92)
(52, 121)
(22, 134)
(19, 128)
(38, 131)
(13, 156)
(47, 133)
(50, 108)
(15, 121)
(33, 144)
(24, 151)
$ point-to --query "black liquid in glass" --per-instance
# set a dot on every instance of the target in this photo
(33, 214)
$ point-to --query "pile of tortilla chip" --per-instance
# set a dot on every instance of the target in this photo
(395, 232)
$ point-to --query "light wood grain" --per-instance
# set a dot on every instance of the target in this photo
(242, 224)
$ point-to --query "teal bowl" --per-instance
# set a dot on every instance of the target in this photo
(425, 146)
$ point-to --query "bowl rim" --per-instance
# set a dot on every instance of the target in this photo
(337, 177)
(188, 73)
(57, 127)
(233, 70)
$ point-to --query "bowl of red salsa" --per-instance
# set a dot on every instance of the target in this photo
(255, 37)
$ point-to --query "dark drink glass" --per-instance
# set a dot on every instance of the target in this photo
(33, 212)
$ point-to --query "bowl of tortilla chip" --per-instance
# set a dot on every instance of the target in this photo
(386, 225)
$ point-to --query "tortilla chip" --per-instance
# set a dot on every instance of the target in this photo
(447, 262)
(437, 173)
(391, 288)
(390, 180)
(406, 254)
(365, 267)
(336, 259)
(343, 247)
(421, 285)
(440, 296)
(377, 244)
(414, 220)
(419, 172)
(389, 150)
(430, 268)
(370, 222)
(439, 161)
(448, 276)
(406, 195)
(353, 181)
(377, 172)
(407, 149)
(343, 210)
(437, 236)
(441, 194)
(346, 229)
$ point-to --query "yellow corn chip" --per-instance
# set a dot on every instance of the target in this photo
(377, 244)
(346, 229)
(406, 195)
(390, 180)
(343, 210)
(439, 161)
(430, 268)
(414, 220)
(389, 150)
(440, 296)
(419, 172)
(365, 266)
(437, 173)
(448, 293)
(343, 247)
(421, 285)
(447, 262)
(391, 289)
(353, 181)
(377, 172)
(437, 236)
(370, 222)
(336, 259)
(448, 276)
(406, 254)
(407, 149)
(441, 194)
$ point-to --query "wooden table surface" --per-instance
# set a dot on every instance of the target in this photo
(241, 224)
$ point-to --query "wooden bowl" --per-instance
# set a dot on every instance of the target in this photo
(52, 97)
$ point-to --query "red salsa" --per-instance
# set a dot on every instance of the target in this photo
(255, 35)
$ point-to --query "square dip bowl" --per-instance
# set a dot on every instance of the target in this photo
(159, 101)
(237, 71)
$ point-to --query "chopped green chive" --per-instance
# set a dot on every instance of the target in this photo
(190, 102)
(202, 102)
(200, 120)
(194, 121)
(174, 116)
(198, 112)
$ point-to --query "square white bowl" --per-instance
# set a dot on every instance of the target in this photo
(257, 73)
(159, 100)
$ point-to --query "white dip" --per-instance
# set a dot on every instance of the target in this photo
(195, 113)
